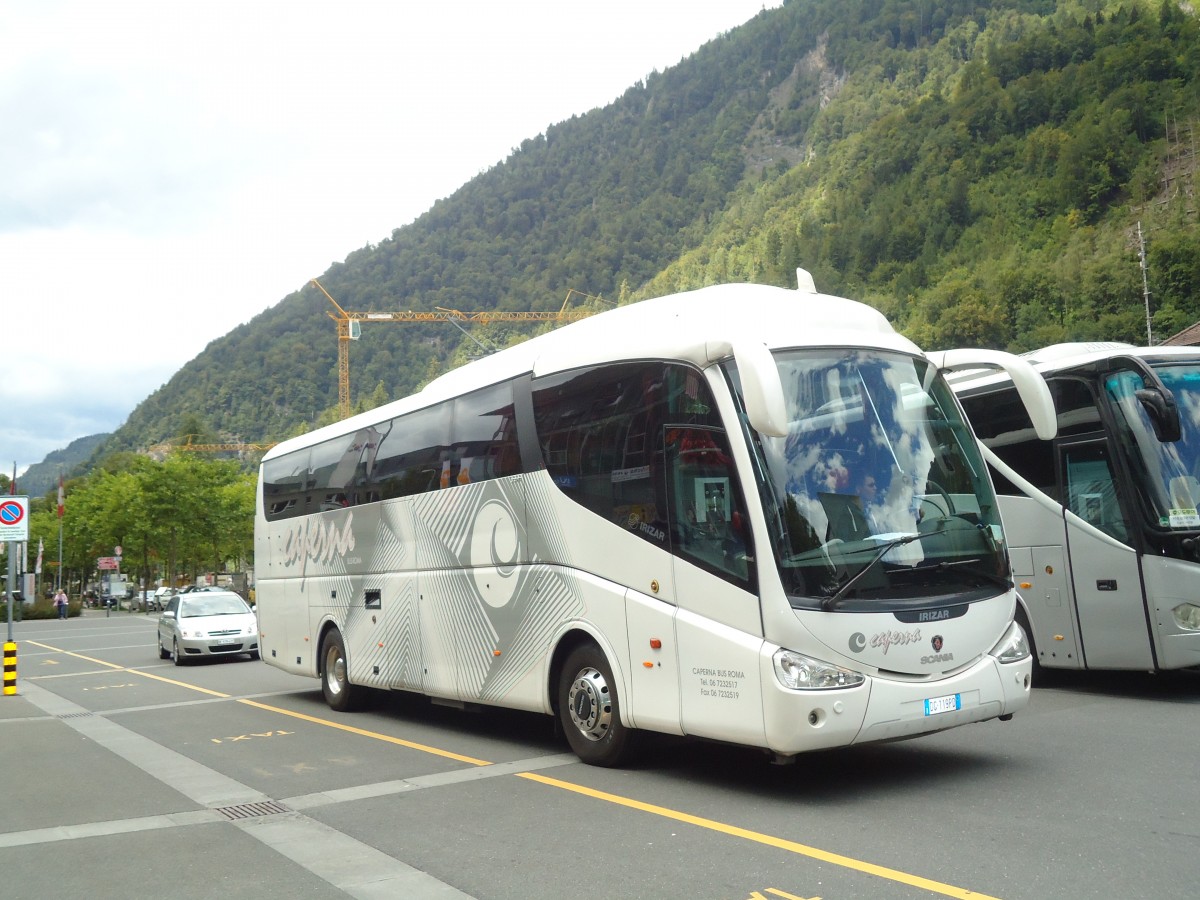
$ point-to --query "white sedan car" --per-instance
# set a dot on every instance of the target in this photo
(207, 623)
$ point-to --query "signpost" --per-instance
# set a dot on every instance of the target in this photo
(14, 528)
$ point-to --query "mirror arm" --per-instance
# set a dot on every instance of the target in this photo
(1030, 385)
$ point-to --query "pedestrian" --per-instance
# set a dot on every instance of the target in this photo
(60, 603)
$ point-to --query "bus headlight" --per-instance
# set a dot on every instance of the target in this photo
(798, 672)
(1013, 647)
(1187, 615)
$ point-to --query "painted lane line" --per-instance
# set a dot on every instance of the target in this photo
(357, 868)
(348, 864)
(362, 732)
(421, 782)
(105, 829)
(120, 668)
(836, 859)
(731, 830)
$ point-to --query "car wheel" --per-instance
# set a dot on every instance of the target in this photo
(163, 652)
(339, 693)
(589, 710)
(175, 652)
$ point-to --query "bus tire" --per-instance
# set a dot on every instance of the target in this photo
(589, 709)
(339, 693)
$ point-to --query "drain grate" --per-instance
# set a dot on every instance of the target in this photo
(252, 810)
(78, 715)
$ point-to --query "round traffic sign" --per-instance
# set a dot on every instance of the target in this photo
(11, 512)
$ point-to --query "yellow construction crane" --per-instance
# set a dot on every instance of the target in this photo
(349, 325)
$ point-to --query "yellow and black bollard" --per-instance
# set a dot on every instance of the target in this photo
(10, 668)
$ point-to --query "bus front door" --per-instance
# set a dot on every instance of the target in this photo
(1106, 578)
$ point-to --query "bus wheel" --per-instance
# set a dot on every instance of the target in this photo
(589, 710)
(339, 693)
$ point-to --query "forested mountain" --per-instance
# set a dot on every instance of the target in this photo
(977, 170)
(41, 478)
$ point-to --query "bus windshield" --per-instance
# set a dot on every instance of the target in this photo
(1165, 473)
(878, 493)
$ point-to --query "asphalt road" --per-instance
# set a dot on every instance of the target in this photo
(123, 774)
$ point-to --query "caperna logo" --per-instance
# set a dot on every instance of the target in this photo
(858, 641)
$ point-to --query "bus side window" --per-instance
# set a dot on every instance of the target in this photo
(410, 460)
(484, 436)
(600, 431)
(709, 525)
(283, 482)
(1002, 423)
(1091, 490)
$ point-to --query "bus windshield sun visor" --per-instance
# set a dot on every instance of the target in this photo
(762, 388)
(1031, 387)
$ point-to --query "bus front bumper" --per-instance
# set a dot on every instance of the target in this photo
(884, 710)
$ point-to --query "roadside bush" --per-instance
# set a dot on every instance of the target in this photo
(43, 608)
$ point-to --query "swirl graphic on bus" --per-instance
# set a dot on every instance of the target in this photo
(495, 549)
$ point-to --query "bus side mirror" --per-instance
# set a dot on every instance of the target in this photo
(761, 388)
(1155, 397)
(1030, 385)
(1162, 413)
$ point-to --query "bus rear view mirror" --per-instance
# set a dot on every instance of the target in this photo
(1031, 387)
(1161, 412)
(1155, 397)
(762, 389)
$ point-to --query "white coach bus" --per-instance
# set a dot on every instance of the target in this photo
(646, 520)
(1102, 521)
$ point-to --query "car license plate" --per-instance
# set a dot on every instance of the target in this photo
(949, 703)
(223, 641)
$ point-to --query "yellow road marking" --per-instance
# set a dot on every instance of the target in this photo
(101, 662)
(759, 838)
(836, 859)
(412, 745)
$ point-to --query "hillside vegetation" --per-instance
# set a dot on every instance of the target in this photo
(975, 170)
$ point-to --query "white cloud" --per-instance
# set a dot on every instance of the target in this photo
(172, 169)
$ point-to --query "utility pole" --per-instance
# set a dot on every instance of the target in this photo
(1145, 283)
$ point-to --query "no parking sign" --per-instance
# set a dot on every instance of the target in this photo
(14, 518)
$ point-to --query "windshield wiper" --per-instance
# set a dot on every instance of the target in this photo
(830, 602)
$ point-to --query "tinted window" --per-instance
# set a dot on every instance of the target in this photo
(614, 438)
(1076, 406)
(473, 438)
(411, 456)
(1091, 488)
(1000, 420)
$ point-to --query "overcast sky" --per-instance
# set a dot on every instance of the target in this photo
(171, 169)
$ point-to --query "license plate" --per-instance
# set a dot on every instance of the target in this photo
(223, 641)
(949, 703)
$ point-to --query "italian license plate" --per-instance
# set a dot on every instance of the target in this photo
(949, 703)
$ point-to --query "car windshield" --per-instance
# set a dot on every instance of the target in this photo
(1165, 472)
(877, 494)
(212, 605)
